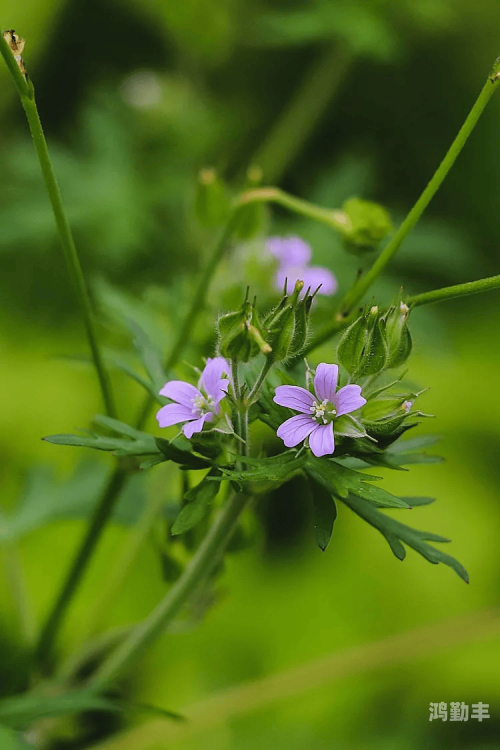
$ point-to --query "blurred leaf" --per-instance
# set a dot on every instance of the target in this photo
(198, 500)
(10, 740)
(149, 354)
(135, 443)
(20, 711)
(364, 29)
(46, 499)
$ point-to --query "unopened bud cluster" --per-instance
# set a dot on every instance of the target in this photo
(280, 335)
(376, 341)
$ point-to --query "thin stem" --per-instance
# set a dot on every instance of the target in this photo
(333, 218)
(257, 387)
(365, 281)
(102, 513)
(301, 115)
(196, 573)
(237, 395)
(117, 480)
(196, 307)
(134, 543)
(27, 95)
(458, 290)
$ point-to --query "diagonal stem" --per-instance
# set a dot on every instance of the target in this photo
(118, 478)
(27, 95)
(195, 574)
(364, 282)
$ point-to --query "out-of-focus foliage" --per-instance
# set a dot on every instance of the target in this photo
(136, 98)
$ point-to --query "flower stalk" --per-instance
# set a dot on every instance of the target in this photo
(458, 290)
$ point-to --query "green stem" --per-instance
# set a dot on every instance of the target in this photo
(333, 218)
(196, 307)
(301, 115)
(458, 290)
(363, 284)
(254, 393)
(235, 377)
(118, 478)
(27, 95)
(196, 573)
(102, 513)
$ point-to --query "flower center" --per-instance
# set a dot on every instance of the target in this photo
(203, 405)
(323, 412)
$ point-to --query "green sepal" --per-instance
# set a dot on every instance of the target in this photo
(363, 349)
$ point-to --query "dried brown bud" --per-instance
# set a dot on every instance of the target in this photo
(16, 45)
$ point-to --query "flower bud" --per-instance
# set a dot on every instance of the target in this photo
(280, 325)
(362, 348)
(365, 224)
(301, 329)
(386, 419)
(397, 334)
(212, 202)
(241, 335)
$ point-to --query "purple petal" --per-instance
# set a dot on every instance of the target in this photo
(315, 276)
(173, 414)
(290, 250)
(191, 427)
(219, 392)
(294, 397)
(212, 375)
(179, 391)
(349, 399)
(295, 429)
(325, 381)
(321, 440)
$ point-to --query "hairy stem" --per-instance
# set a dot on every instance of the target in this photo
(257, 387)
(364, 282)
(196, 573)
(27, 95)
(458, 290)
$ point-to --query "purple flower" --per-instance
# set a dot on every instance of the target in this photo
(292, 251)
(317, 412)
(192, 405)
(294, 255)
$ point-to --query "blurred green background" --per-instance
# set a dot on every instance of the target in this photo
(332, 98)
